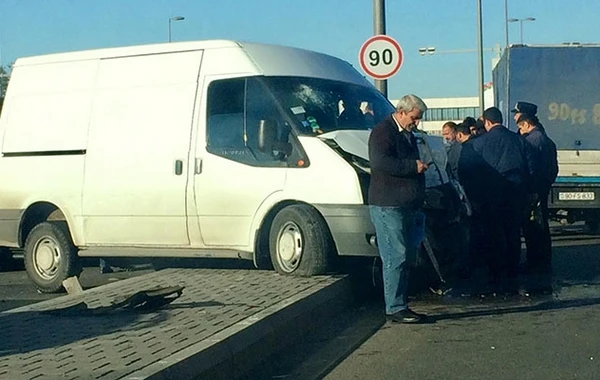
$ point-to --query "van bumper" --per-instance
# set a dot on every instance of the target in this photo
(351, 228)
(9, 227)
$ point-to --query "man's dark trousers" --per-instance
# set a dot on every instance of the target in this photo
(537, 239)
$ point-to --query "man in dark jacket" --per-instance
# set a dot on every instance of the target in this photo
(525, 108)
(535, 227)
(505, 175)
(396, 193)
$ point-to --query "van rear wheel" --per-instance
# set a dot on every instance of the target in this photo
(300, 242)
(50, 256)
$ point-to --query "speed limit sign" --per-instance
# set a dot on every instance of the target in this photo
(380, 57)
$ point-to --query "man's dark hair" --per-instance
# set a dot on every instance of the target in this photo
(493, 114)
(463, 128)
(450, 124)
(470, 121)
(533, 120)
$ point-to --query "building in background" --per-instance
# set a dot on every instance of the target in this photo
(441, 110)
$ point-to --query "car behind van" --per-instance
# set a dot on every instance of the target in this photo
(192, 149)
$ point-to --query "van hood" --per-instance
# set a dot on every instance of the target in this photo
(431, 150)
(351, 141)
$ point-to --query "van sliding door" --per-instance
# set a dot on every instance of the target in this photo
(137, 158)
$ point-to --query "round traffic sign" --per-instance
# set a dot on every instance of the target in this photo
(380, 57)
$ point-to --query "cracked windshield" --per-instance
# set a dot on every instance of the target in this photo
(320, 106)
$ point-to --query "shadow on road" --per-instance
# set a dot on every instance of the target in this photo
(543, 306)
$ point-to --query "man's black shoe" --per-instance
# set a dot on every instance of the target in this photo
(407, 316)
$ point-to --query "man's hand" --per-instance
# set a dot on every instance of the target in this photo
(421, 166)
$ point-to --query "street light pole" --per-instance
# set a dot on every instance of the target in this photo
(379, 28)
(480, 57)
(176, 18)
(505, 24)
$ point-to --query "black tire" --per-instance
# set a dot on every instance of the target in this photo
(593, 226)
(300, 242)
(50, 256)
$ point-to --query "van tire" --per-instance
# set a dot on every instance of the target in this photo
(300, 243)
(50, 256)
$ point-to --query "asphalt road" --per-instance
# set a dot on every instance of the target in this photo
(537, 337)
(553, 336)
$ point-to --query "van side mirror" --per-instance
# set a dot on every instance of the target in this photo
(267, 135)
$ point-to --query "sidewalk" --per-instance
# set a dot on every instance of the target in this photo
(225, 322)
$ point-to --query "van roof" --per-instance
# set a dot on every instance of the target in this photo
(126, 51)
(268, 59)
(154, 49)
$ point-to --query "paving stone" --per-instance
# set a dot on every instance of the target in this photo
(39, 345)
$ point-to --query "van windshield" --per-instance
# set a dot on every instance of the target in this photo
(319, 106)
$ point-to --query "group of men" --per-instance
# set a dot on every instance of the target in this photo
(505, 175)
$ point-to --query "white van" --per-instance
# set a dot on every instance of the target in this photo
(193, 149)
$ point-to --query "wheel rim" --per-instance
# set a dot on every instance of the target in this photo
(289, 247)
(47, 257)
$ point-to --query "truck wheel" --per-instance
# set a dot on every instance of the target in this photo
(50, 257)
(300, 242)
(593, 226)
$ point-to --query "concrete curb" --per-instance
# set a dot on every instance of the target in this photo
(240, 347)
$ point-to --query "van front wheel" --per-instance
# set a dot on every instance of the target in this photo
(300, 242)
(50, 256)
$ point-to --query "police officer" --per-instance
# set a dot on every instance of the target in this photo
(527, 109)
(504, 176)
(535, 227)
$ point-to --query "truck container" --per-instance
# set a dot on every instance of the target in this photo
(563, 81)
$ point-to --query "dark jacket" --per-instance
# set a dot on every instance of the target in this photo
(544, 151)
(505, 152)
(394, 178)
(453, 157)
(478, 178)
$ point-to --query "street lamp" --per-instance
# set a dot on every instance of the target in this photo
(176, 18)
(431, 50)
(520, 21)
(427, 50)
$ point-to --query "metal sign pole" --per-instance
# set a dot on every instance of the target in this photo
(379, 28)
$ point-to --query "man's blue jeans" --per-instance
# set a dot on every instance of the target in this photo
(395, 229)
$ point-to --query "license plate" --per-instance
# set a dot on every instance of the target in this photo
(581, 196)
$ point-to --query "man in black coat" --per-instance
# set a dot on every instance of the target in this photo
(503, 179)
(396, 193)
(535, 227)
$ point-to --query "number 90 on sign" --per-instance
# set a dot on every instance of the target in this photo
(380, 57)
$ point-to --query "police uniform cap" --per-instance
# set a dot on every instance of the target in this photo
(524, 107)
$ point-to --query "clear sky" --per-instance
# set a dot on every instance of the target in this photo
(337, 27)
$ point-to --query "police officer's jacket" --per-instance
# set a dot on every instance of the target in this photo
(546, 162)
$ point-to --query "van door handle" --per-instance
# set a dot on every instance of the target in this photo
(178, 167)
(198, 165)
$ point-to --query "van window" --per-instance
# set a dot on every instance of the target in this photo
(320, 106)
(236, 108)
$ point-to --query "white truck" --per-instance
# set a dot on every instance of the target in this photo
(192, 149)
